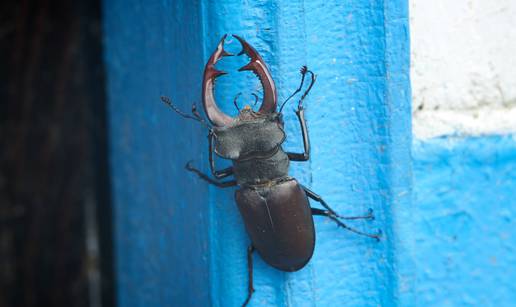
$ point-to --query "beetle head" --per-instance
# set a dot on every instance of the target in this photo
(257, 66)
(247, 114)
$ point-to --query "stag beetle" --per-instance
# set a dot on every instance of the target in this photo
(275, 207)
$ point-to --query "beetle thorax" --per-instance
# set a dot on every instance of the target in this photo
(253, 136)
(254, 145)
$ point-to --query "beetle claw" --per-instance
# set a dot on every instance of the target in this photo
(370, 212)
(215, 115)
(258, 67)
(188, 165)
(379, 235)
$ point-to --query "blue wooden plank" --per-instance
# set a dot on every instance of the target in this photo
(161, 216)
(359, 121)
(181, 242)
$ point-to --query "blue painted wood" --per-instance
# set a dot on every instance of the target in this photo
(464, 221)
(161, 215)
(180, 242)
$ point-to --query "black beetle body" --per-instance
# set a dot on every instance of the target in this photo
(279, 222)
(275, 207)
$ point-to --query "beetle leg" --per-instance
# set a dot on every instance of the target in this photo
(250, 289)
(223, 173)
(312, 81)
(319, 199)
(220, 173)
(368, 216)
(329, 212)
(316, 211)
(305, 156)
(220, 184)
(304, 70)
(300, 112)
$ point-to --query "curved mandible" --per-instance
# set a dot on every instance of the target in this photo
(215, 115)
(257, 66)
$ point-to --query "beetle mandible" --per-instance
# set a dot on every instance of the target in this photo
(274, 206)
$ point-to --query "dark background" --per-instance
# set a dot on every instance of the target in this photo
(55, 232)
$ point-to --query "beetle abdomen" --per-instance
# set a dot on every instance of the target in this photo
(279, 222)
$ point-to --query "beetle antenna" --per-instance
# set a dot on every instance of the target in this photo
(255, 99)
(303, 72)
(235, 101)
(196, 117)
(199, 117)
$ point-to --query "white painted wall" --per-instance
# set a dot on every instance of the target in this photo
(463, 67)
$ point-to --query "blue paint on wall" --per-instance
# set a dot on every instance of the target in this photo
(464, 221)
(180, 242)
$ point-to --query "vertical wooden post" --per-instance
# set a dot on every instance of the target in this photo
(161, 213)
(180, 242)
